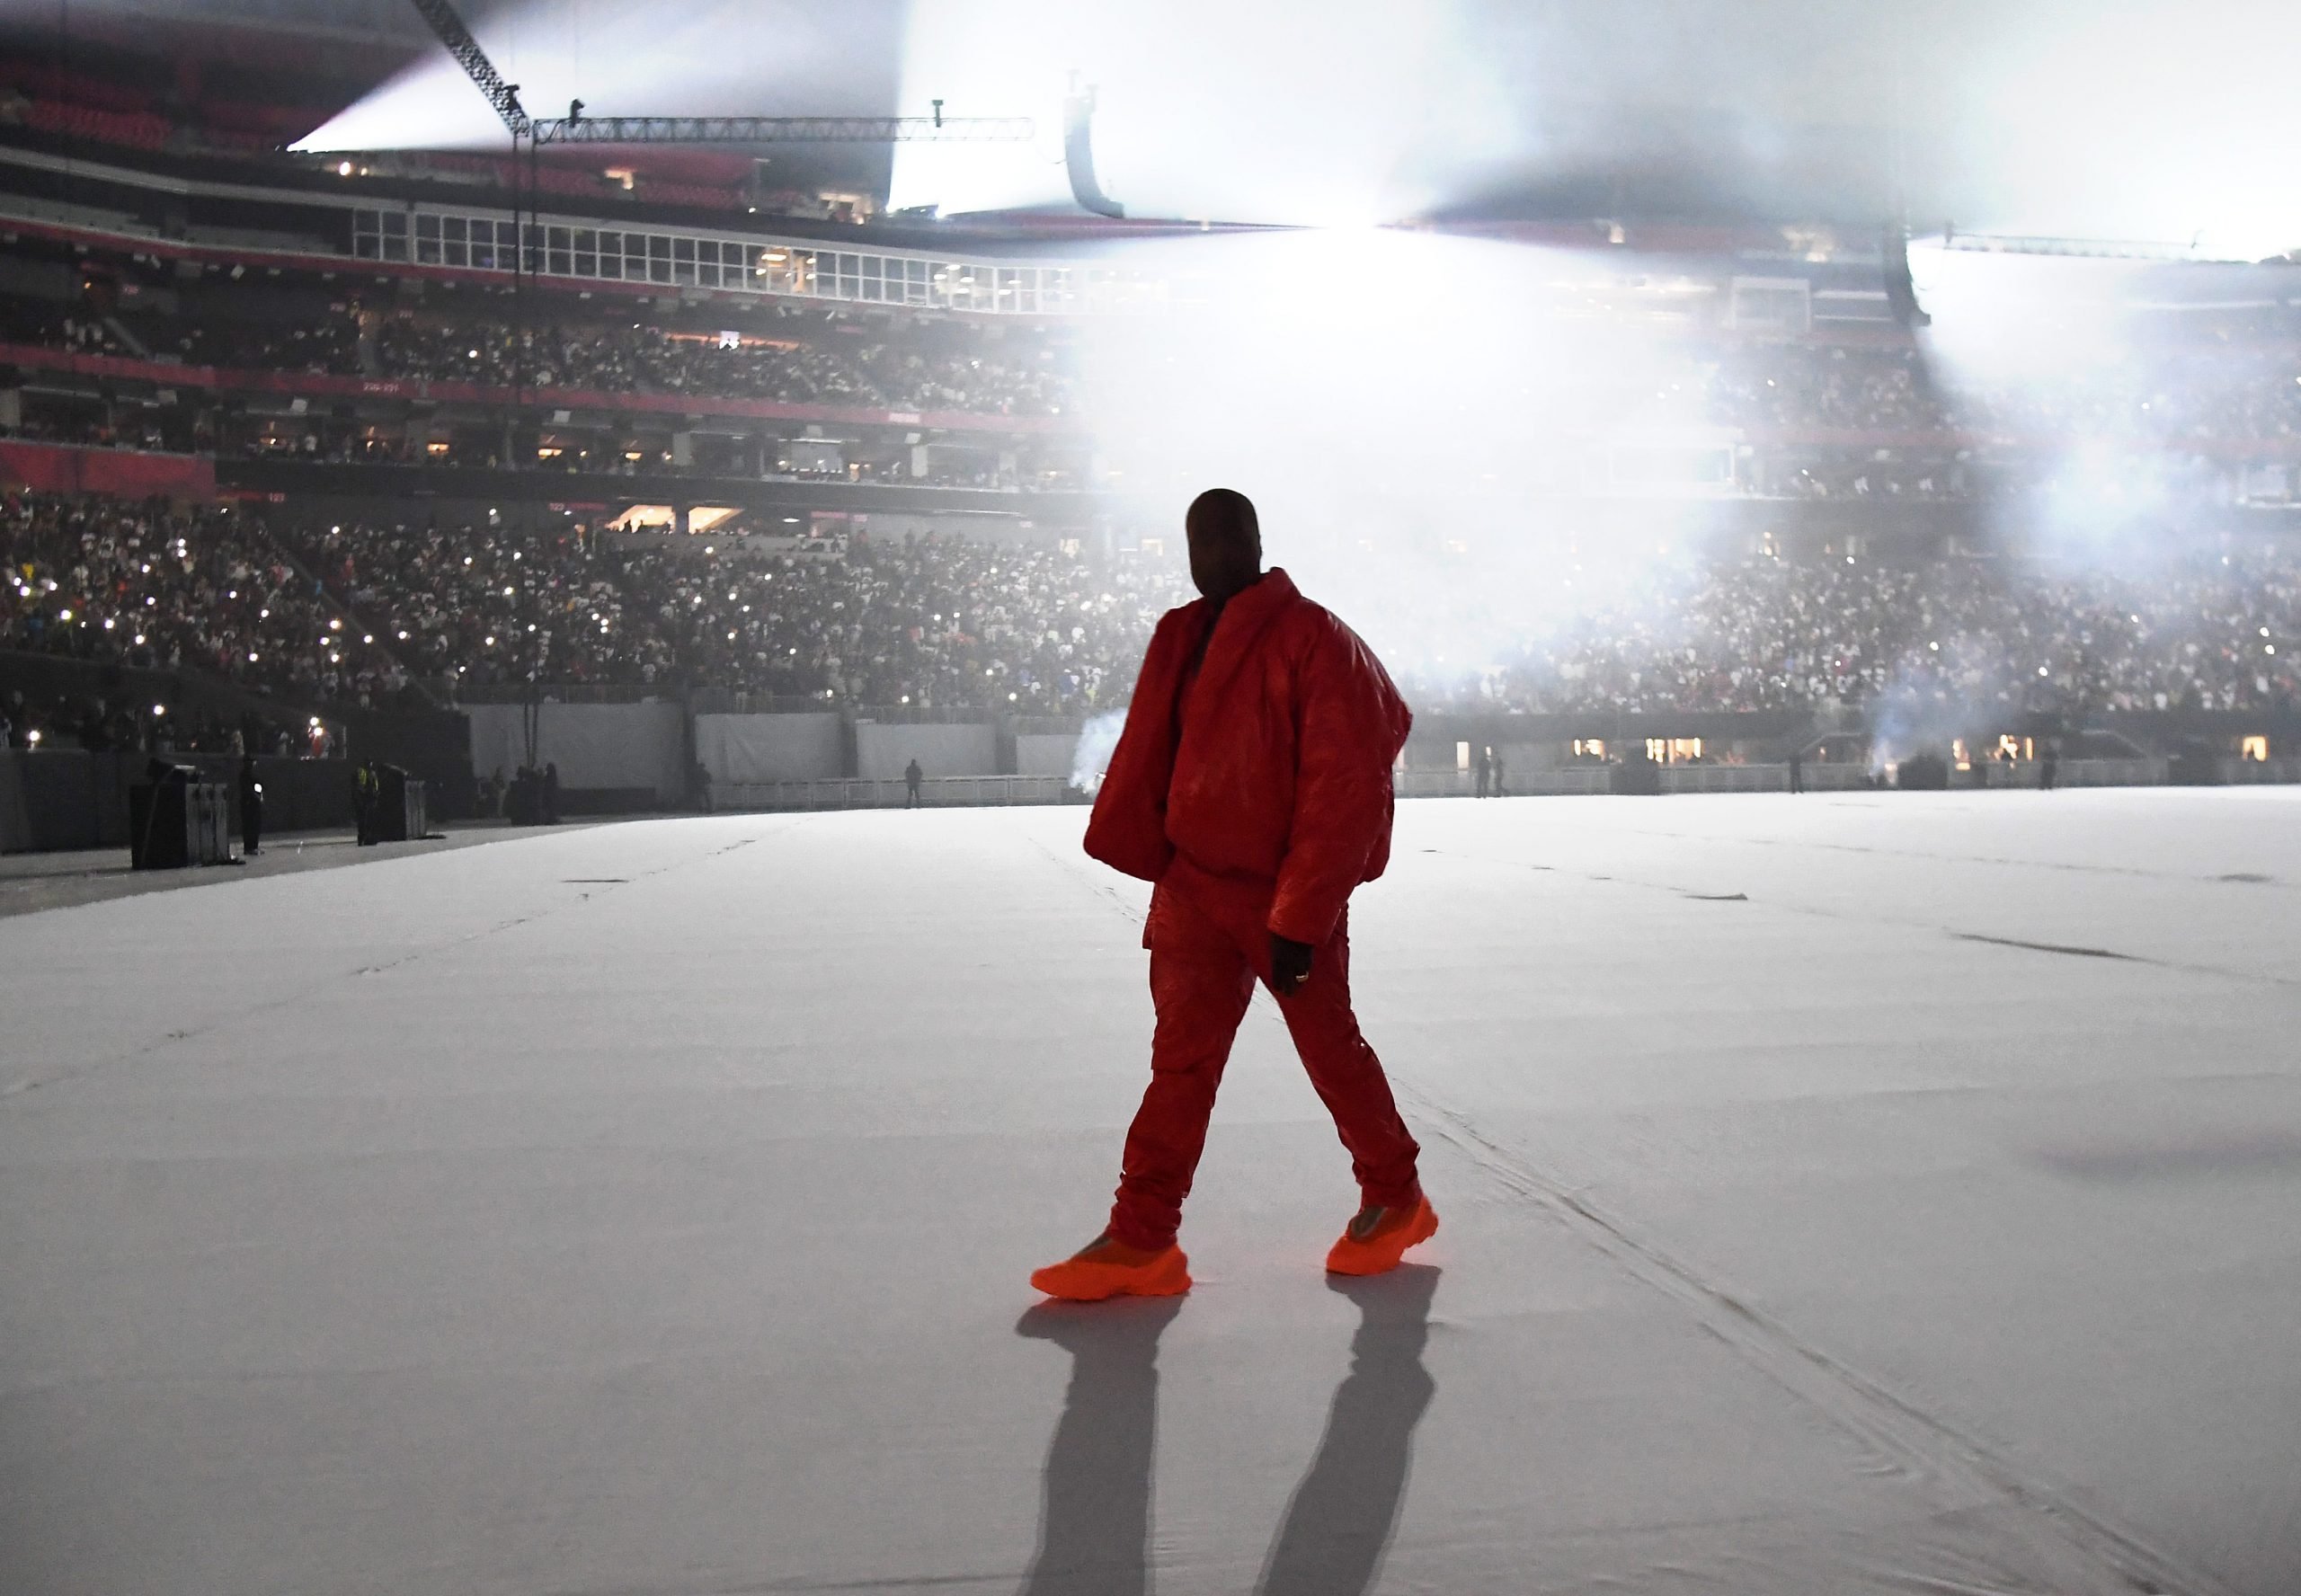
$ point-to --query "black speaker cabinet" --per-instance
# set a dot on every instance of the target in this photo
(175, 820)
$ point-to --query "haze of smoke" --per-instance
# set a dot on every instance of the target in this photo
(1097, 741)
(1410, 418)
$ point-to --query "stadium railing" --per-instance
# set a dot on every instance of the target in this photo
(2260, 772)
(1556, 781)
(941, 791)
(1737, 778)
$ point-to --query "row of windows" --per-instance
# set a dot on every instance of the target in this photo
(676, 261)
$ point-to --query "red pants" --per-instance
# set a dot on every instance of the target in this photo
(1202, 975)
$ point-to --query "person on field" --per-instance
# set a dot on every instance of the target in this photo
(1252, 784)
(251, 807)
(911, 776)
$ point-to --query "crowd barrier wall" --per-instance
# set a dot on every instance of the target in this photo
(15, 814)
(126, 473)
(863, 793)
(620, 746)
(744, 749)
(883, 750)
(1041, 753)
(434, 744)
(70, 798)
(2257, 772)
(1557, 781)
(1727, 779)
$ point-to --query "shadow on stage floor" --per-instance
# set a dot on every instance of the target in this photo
(1095, 1523)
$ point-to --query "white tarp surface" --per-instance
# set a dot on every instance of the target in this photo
(1877, 1193)
(883, 749)
(768, 747)
(1040, 753)
(624, 745)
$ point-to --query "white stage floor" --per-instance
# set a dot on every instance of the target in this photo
(1890, 1193)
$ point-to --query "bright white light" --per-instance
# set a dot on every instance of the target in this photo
(1265, 388)
(2108, 120)
(1327, 112)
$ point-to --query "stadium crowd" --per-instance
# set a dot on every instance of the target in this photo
(932, 621)
(2207, 630)
(2171, 392)
(139, 584)
(873, 374)
(358, 613)
(802, 359)
(2172, 395)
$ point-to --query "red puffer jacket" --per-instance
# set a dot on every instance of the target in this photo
(1274, 798)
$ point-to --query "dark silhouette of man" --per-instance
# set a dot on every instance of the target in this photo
(366, 796)
(2049, 764)
(911, 776)
(1796, 770)
(1497, 791)
(1482, 767)
(1252, 784)
(251, 807)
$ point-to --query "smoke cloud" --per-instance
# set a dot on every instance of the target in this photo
(1416, 417)
(1097, 740)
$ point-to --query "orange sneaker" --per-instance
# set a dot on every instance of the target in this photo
(1108, 1267)
(1378, 1237)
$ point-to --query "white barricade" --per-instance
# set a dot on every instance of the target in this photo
(943, 792)
(1541, 783)
(2258, 772)
(1726, 778)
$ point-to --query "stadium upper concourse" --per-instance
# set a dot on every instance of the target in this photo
(1826, 479)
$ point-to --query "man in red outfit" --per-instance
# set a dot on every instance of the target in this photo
(1252, 783)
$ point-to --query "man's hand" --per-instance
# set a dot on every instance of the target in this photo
(1290, 964)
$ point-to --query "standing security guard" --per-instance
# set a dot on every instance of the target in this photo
(251, 807)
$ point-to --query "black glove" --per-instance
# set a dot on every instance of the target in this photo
(1290, 964)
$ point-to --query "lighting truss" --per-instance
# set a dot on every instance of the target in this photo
(759, 130)
(449, 27)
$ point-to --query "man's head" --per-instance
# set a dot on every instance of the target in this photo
(1225, 543)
